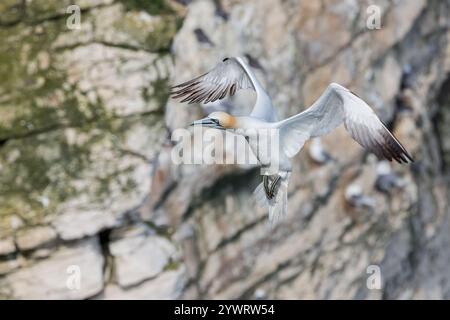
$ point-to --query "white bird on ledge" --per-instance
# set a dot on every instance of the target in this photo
(335, 106)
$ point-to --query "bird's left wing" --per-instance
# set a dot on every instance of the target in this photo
(336, 105)
(225, 78)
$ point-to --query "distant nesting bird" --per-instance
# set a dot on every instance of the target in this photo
(317, 152)
(387, 179)
(254, 63)
(335, 106)
(354, 195)
(220, 10)
(202, 37)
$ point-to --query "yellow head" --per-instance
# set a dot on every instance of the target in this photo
(225, 120)
(218, 120)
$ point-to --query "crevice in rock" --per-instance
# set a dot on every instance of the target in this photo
(356, 34)
(236, 236)
(124, 46)
(61, 126)
(332, 57)
(220, 11)
(28, 134)
(247, 293)
(3, 142)
(439, 123)
(108, 260)
(135, 154)
(165, 195)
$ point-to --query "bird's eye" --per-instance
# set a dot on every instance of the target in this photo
(216, 121)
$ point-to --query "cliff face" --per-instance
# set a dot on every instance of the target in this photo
(87, 180)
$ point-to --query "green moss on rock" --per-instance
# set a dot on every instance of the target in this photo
(154, 35)
(154, 7)
(56, 143)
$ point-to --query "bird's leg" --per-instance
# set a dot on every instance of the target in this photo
(270, 189)
(274, 186)
(266, 186)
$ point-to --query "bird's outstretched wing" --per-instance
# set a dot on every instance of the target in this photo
(225, 79)
(336, 105)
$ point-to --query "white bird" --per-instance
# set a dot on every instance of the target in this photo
(354, 195)
(387, 179)
(335, 106)
(317, 152)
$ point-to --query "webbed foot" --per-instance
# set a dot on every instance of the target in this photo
(271, 189)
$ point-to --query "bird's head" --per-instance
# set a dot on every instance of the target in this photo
(217, 120)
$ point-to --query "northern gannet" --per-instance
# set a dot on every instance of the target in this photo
(387, 179)
(335, 106)
(317, 153)
(354, 196)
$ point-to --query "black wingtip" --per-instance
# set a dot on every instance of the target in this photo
(410, 158)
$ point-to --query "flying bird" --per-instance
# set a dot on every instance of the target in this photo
(335, 106)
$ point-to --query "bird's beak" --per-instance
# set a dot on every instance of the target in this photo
(207, 122)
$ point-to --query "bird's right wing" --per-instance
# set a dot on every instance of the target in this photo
(336, 105)
(224, 79)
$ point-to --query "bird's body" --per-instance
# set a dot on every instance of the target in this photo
(263, 138)
(286, 137)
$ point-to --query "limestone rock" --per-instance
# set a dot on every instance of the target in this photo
(31, 238)
(10, 264)
(139, 254)
(168, 285)
(90, 92)
(86, 149)
(52, 278)
(7, 246)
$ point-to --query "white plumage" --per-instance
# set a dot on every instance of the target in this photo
(335, 106)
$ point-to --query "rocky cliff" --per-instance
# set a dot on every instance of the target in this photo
(87, 181)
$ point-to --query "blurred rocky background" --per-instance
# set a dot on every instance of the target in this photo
(87, 183)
